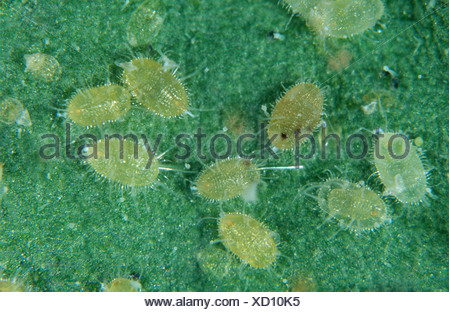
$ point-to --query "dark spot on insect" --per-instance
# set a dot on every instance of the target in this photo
(284, 136)
(270, 35)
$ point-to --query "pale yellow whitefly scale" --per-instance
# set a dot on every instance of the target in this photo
(42, 66)
(128, 170)
(303, 283)
(355, 206)
(227, 179)
(248, 239)
(405, 178)
(145, 22)
(215, 262)
(157, 90)
(12, 111)
(301, 7)
(122, 284)
(98, 105)
(298, 111)
(7, 285)
(344, 18)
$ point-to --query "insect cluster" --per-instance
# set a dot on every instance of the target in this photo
(298, 112)
(156, 90)
(340, 18)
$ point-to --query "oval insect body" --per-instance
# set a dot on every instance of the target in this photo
(12, 110)
(98, 105)
(344, 18)
(248, 239)
(297, 113)
(122, 284)
(215, 263)
(355, 206)
(133, 168)
(145, 23)
(42, 66)
(400, 168)
(227, 179)
(155, 89)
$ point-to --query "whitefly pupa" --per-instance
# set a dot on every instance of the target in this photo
(248, 239)
(355, 206)
(42, 66)
(94, 106)
(229, 178)
(298, 112)
(400, 167)
(12, 111)
(154, 88)
(125, 160)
